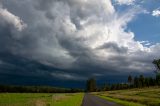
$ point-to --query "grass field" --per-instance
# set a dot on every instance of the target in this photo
(34, 99)
(134, 97)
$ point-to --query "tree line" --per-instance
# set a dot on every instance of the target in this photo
(133, 82)
(37, 89)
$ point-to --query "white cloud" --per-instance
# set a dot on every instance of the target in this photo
(156, 13)
(10, 18)
(125, 2)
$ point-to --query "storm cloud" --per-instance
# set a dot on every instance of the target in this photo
(70, 39)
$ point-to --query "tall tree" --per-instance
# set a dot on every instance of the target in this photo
(91, 85)
(130, 79)
(158, 79)
(157, 65)
(147, 82)
(142, 80)
(151, 81)
(136, 82)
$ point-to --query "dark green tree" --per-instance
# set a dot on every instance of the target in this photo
(157, 64)
(158, 79)
(130, 79)
(136, 82)
(105, 87)
(147, 84)
(151, 81)
(142, 80)
(113, 87)
(91, 85)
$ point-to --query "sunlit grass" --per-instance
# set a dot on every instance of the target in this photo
(68, 100)
(145, 96)
(38, 99)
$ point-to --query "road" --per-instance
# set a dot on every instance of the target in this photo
(91, 100)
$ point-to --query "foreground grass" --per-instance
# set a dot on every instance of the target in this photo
(68, 100)
(134, 97)
(40, 99)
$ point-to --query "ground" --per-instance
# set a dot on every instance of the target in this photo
(131, 97)
(134, 97)
(92, 100)
(34, 99)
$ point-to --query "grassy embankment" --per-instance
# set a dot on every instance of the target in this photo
(134, 97)
(37, 99)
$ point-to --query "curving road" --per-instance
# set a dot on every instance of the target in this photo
(91, 100)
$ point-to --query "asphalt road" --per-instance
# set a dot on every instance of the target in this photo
(91, 100)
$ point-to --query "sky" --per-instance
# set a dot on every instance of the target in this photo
(65, 42)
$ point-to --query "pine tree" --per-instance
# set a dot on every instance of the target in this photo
(91, 85)
(130, 79)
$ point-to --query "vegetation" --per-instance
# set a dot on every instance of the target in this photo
(130, 79)
(40, 99)
(133, 82)
(157, 65)
(121, 102)
(68, 100)
(37, 89)
(91, 85)
(134, 97)
(136, 82)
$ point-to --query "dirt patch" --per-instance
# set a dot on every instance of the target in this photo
(58, 98)
(40, 103)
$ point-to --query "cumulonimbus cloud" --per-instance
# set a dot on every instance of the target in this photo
(83, 37)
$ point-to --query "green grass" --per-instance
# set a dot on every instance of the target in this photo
(40, 99)
(68, 100)
(134, 97)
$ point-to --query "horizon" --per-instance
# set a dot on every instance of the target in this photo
(63, 43)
